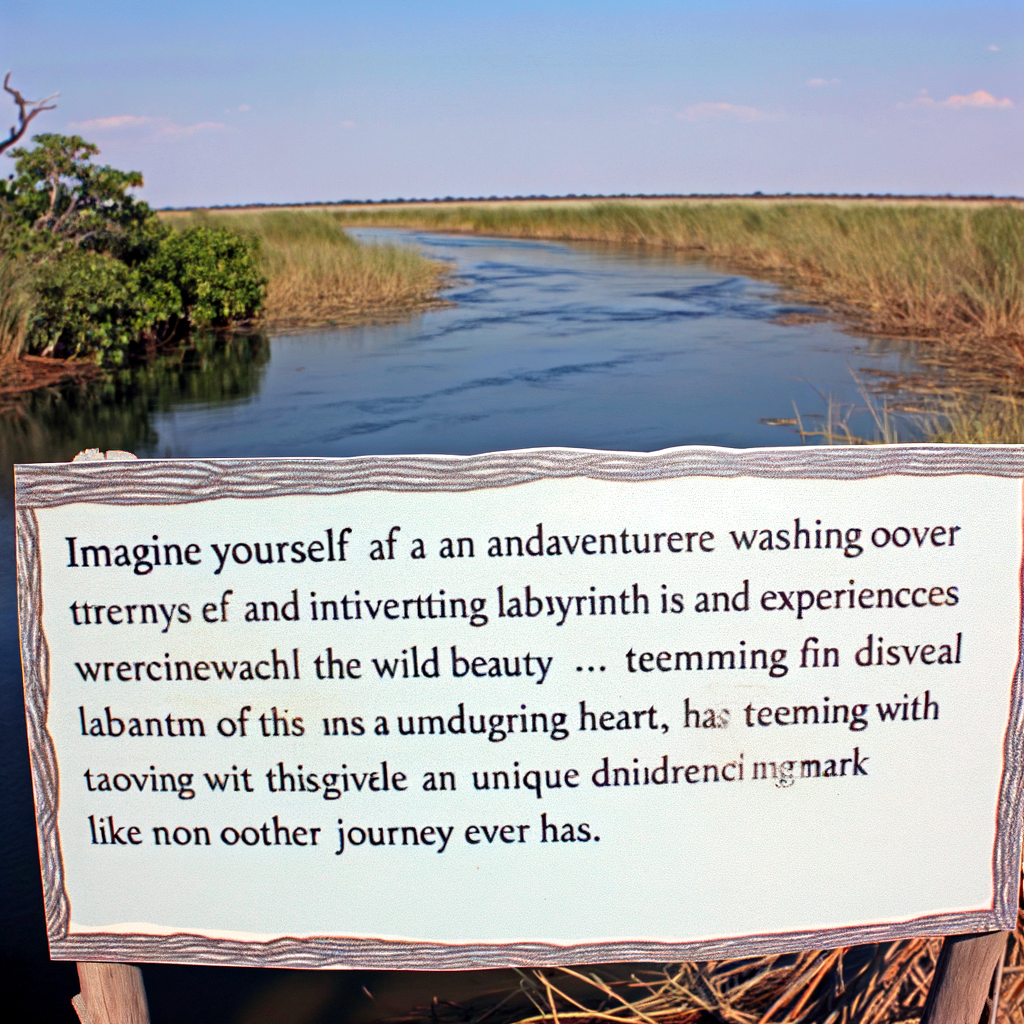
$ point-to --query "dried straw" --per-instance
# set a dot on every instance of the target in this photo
(880, 984)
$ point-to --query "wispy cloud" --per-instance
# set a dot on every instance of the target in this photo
(190, 129)
(817, 83)
(154, 126)
(348, 124)
(705, 111)
(243, 107)
(993, 48)
(979, 99)
(100, 124)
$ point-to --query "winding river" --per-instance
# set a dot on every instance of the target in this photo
(546, 343)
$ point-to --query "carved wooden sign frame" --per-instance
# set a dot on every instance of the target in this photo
(730, 499)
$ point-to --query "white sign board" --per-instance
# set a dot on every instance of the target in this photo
(533, 707)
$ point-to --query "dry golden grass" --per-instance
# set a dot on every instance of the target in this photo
(318, 274)
(948, 274)
(984, 419)
(960, 417)
(881, 984)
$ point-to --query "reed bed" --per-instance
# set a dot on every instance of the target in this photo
(984, 419)
(15, 307)
(951, 275)
(957, 417)
(318, 274)
(881, 984)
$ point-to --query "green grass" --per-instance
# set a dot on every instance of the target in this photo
(318, 274)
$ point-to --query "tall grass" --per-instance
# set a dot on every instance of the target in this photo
(952, 275)
(318, 274)
(980, 419)
(15, 307)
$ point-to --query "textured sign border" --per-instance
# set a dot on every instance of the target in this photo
(179, 481)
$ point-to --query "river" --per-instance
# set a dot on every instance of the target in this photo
(546, 343)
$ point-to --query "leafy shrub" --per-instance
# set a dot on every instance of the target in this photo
(103, 273)
(90, 304)
(215, 273)
(86, 304)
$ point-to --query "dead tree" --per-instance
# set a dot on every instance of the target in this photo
(27, 109)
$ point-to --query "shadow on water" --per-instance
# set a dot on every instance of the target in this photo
(53, 425)
(549, 344)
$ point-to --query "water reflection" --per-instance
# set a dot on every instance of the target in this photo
(54, 424)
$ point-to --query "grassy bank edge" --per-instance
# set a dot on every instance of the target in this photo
(948, 274)
(320, 276)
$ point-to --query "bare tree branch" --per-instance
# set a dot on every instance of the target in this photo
(27, 109)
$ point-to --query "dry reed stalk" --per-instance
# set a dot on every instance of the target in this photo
(15, 308)
(333, 285)
(974, 419)
(882, 984)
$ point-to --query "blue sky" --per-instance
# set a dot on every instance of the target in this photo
(230, 102)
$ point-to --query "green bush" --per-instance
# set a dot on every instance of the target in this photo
(103, 274)
(86, 304)
(90, 304)
(215, 273)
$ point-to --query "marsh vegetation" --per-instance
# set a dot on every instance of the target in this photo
(90, 274)
(946, 274)
(318, 274)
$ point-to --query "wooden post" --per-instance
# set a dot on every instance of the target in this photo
(963, 978)
(111, 994)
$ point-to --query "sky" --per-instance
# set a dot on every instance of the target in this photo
(225, 102)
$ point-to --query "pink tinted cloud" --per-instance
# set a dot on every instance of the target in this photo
(978, 100)
(155, 126)
(704, 111)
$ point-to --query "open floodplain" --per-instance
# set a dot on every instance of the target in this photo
(950, 272)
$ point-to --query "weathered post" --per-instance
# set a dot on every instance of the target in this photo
(111, 994)
(963, 979)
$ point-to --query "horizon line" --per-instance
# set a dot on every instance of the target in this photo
(446, 200)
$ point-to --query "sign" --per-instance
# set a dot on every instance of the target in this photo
(537, 707)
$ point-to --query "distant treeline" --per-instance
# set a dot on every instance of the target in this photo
(572, 196)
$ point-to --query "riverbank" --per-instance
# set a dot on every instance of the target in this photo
(31, 372)
(947, 274)
(318, 275)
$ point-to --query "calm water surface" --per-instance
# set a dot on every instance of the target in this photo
(548, 344)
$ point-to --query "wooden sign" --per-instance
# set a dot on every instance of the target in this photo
(533, 707)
